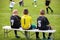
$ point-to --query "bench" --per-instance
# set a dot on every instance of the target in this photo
(6, 28)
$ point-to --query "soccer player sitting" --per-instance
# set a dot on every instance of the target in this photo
(15, 22)
(26, 21)
(43, 24)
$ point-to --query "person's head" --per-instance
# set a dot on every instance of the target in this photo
(15, 12)
(42, 12)
(25, 12)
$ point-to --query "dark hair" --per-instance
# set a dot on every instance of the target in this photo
(25, 11)
(10, 0)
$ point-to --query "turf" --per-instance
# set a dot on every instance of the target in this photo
(5, 14)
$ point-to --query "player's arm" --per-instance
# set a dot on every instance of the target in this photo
(22, 22)
(47, 22)
(37, 23)
(12, 21)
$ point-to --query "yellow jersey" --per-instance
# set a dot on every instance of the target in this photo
(26, 21)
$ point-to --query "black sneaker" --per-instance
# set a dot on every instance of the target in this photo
(17, 37)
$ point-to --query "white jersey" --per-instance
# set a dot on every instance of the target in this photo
(35, 0)
(21, 0)
(12, 4)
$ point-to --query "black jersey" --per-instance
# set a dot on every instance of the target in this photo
(47, 2)
(10, 0)
(15, 21)
(42, 22)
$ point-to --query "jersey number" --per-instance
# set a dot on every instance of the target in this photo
(39, 23)
(24, 21)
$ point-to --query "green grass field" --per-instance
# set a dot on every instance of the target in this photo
(5, 14)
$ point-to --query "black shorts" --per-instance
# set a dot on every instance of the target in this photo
(10, 0)
(45, 28)
(20, 3)
(47, 3)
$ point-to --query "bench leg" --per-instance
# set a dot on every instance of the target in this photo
(27, 34)
(32, 34)
(53, 36)
(5, 33)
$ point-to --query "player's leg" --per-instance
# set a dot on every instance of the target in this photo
(19, 4)
(49, 28)
(44, 35)
(50, 9)
(11, 8)
(22, 3)
(15, 31)
(37, 35)
(47, 9)
(44, 28)
(26, 34)
(47, 4)
(49, 35)
(35, 3)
